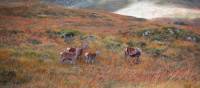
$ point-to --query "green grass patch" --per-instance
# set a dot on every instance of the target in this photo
(68, 32)
(113, 44)
(155, 51)
(35, 41)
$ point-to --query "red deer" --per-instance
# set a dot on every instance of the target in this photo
(133, 52)
(72, 54)
(67, 57)
(90, 57)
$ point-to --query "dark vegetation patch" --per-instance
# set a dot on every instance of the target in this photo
(11, 76)
(168, 34)
(10, 37)
(34, 41)
(11, 70)
(68, 32)
(180, 23)
(68, 35)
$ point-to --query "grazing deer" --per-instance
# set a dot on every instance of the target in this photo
(72, 54)
(90, 57)
(67, 57)
(133, 53)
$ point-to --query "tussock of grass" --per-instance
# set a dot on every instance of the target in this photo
(67, 31)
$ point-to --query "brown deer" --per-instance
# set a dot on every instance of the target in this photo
(67, 57)
(133, 53)
(72, 54)
(90, 57)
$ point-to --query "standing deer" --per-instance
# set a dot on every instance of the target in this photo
(90, 57)
(133, 53)
(67, 57)
(72, 54)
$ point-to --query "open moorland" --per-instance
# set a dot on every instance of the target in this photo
(31, 40)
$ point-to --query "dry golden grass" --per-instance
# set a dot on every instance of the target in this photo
(36, 65)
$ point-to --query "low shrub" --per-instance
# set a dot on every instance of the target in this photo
(52, 34)
(155, 51)
(9, 32)
(113, 44)
(132, 43)
(7, 76)
(10, 76)
(168, 34)
(68, 32)
(88, 37)
(32, 54)
(34, 41)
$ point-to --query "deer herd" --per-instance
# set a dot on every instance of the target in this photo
(71, 55)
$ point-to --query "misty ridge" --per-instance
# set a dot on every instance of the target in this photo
(113, 5)
(147, 9)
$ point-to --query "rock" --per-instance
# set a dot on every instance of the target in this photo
(171, 31)
(146, 33)
(180, 23)
(190, 38)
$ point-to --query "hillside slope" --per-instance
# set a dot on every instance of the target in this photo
(31, 40)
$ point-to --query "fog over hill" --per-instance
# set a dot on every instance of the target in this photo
(116, 4)
(109, 5)
(149, 10)
(139, 8)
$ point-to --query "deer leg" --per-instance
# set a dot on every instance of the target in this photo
(71, 62)
(86, 59)
(131, 59)
(137, 60)
(125, 55)
(74, 62)
(63, 60)
(93, 59)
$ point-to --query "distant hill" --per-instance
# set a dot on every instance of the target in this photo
(112, 5)
(109, 5)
